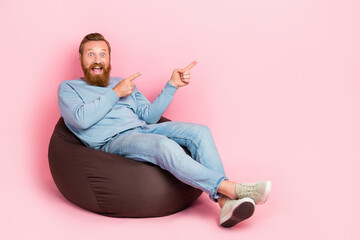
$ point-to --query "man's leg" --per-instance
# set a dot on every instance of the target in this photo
(196, 138)
(141, 145)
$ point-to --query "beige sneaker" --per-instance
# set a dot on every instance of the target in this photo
(235, 211)
(258, 191)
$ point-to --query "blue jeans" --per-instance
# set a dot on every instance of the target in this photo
(160, 144)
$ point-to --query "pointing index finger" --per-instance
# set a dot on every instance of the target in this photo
(188, 67)
(132, 77)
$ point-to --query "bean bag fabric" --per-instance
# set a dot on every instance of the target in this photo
(113, 185)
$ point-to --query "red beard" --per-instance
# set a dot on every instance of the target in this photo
(101, 80)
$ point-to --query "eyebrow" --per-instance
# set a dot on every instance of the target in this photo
(90, 49)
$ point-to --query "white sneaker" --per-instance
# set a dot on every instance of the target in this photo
(235, 211)
(258, 191)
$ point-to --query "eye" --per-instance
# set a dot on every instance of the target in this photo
(103, 55)
(91, 54)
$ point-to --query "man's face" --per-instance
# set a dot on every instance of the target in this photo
(95, 62)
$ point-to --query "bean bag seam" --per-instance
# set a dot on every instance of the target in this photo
(90, 185)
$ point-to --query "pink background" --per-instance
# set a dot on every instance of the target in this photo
(277, 83)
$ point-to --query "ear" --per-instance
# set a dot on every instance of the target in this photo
(80, 57)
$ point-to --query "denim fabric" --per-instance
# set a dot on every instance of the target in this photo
(160, 145)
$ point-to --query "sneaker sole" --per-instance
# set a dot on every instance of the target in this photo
(241, 212)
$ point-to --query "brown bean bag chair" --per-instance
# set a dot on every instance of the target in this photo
(113, 185)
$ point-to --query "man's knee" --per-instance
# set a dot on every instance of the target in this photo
(201, 130)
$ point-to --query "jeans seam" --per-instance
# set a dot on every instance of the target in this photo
(112, 140)
(193, 142)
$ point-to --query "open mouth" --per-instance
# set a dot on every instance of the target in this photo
(97, 70)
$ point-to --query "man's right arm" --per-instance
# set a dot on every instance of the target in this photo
(83, 115)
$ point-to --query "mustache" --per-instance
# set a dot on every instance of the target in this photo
(96, 65)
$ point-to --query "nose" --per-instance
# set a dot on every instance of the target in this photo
(97, 59)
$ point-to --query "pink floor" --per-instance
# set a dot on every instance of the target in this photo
(277, 82)
(308, 201)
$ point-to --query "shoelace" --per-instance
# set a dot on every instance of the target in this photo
(247, 190)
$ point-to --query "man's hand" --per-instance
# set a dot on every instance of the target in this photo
(126, 86)
(181, 76)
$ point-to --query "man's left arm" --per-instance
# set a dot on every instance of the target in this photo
(152, 112)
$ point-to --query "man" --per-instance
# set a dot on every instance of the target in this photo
(110, 114)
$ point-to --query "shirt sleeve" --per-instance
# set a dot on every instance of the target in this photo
(152, 112)
(80, 114)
